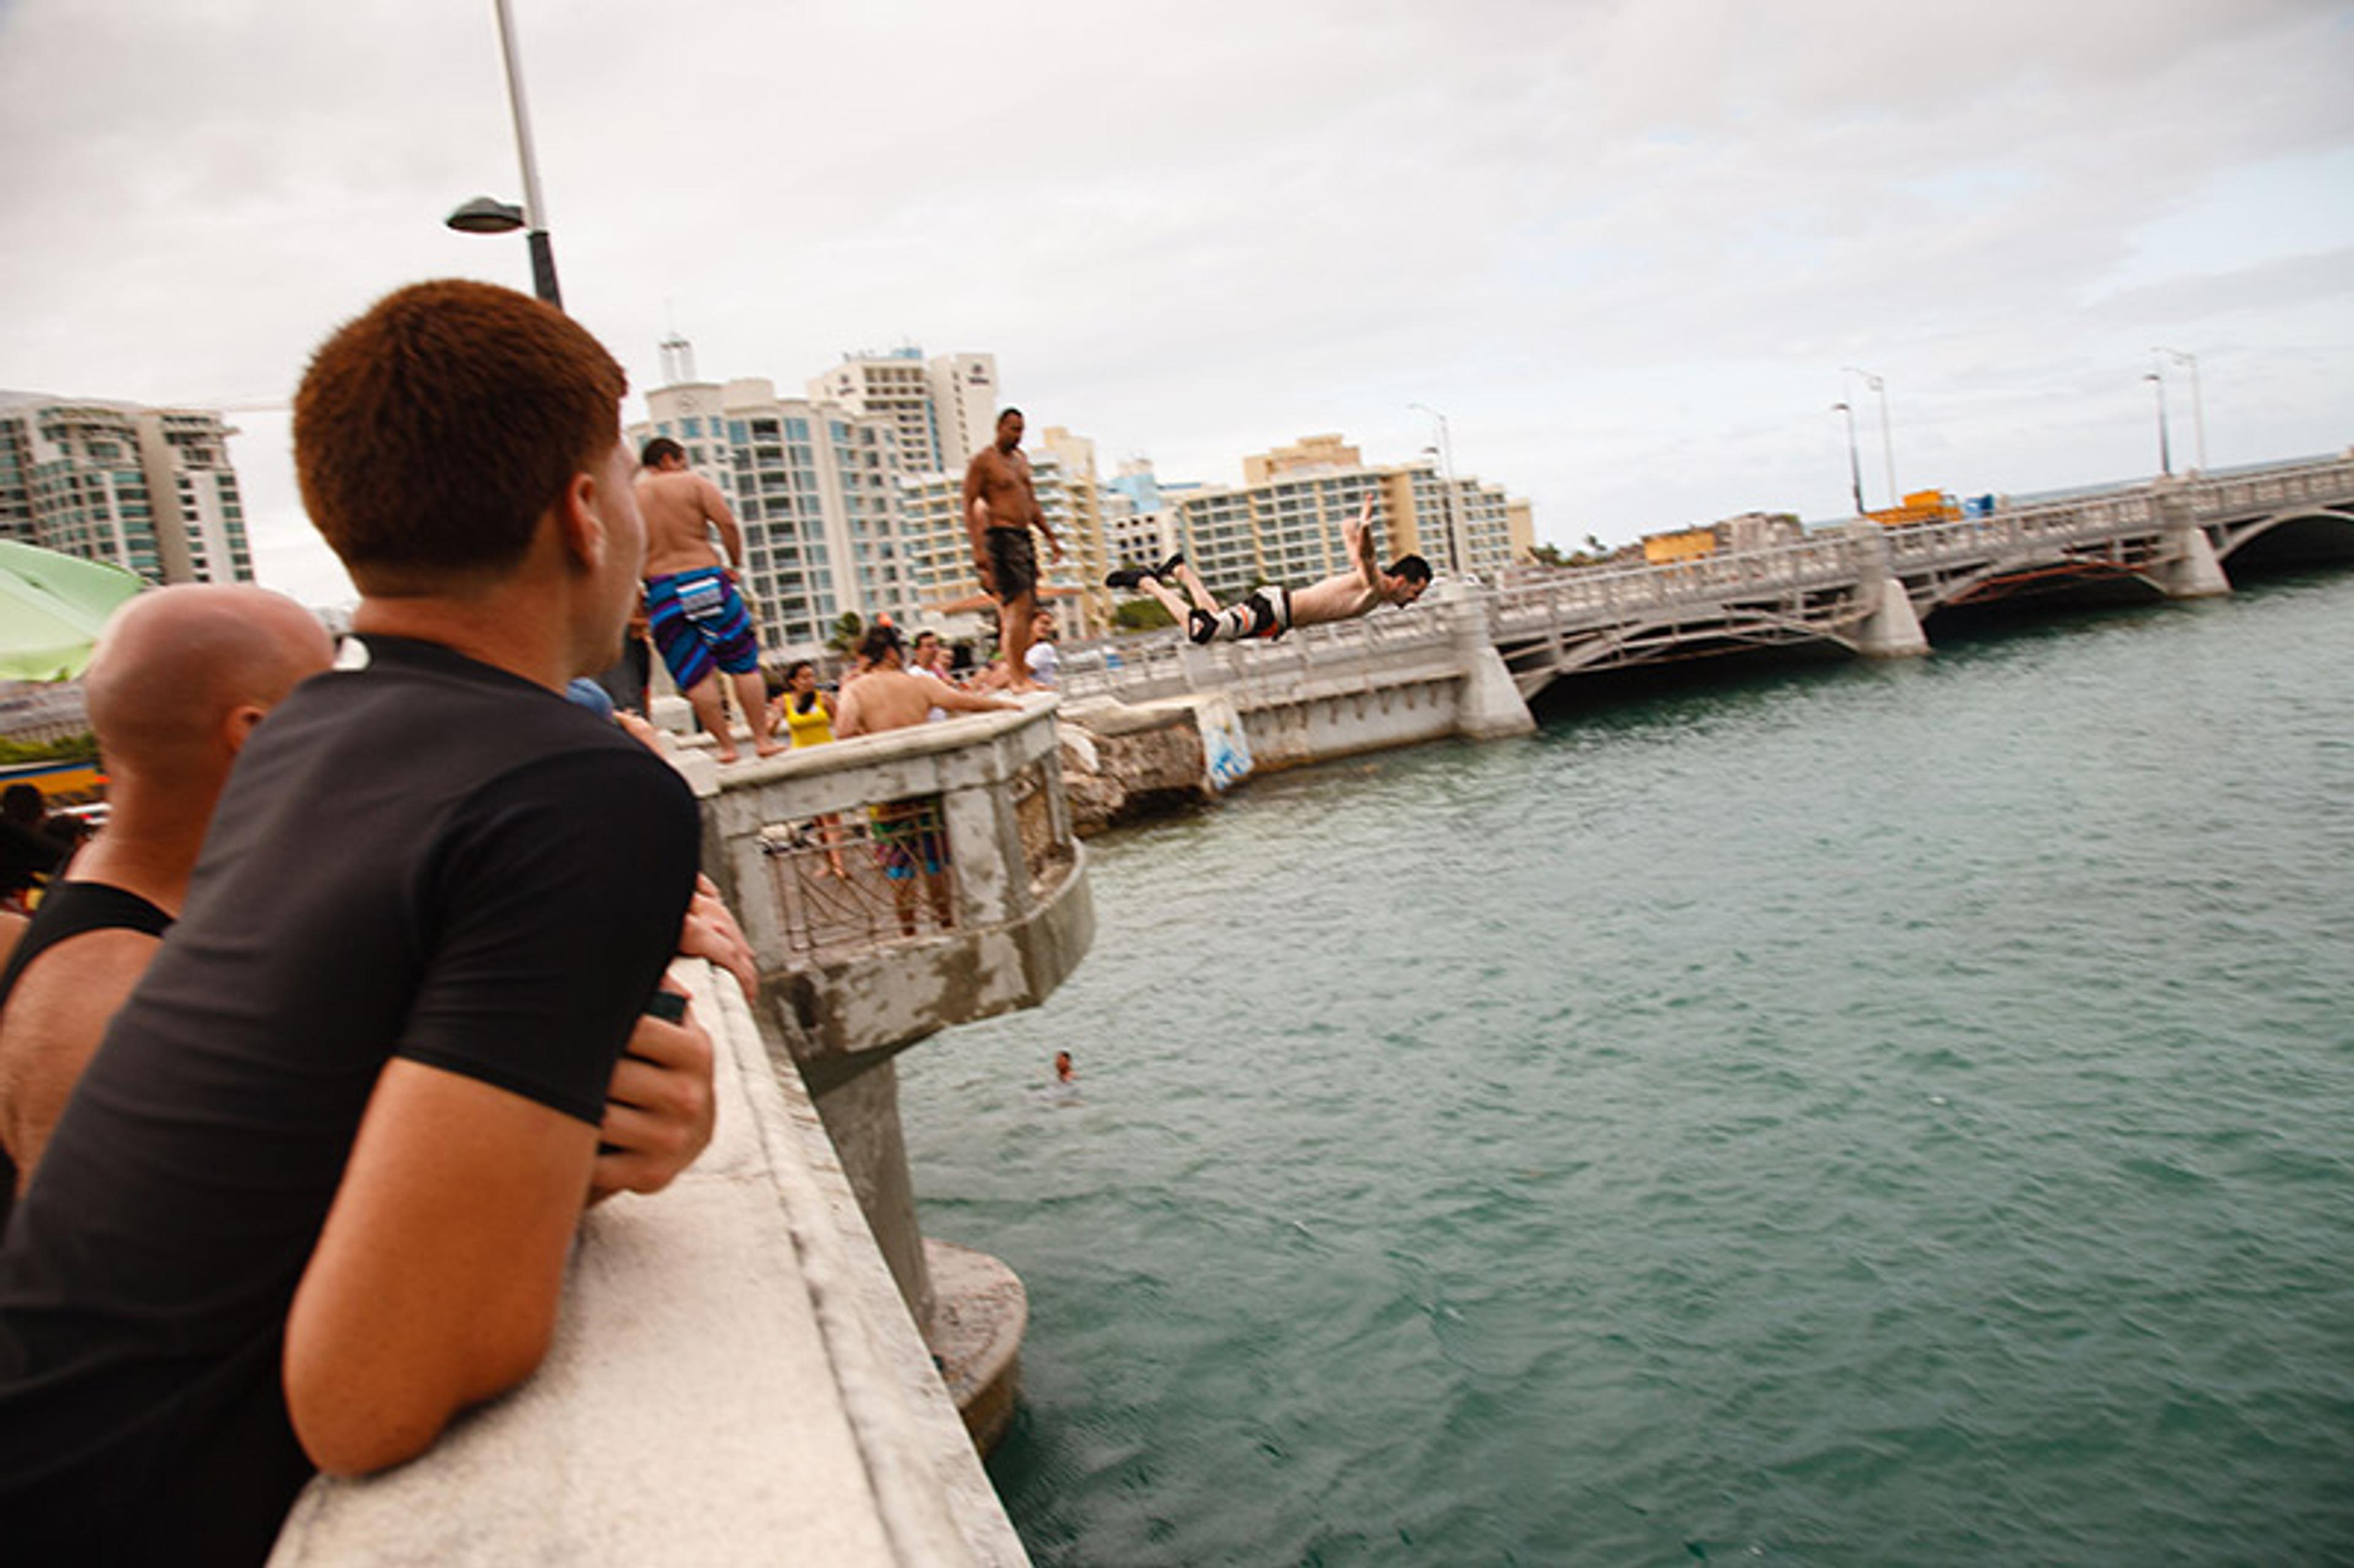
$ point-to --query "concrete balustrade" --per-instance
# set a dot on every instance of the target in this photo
(797, 840)
(734, 1379)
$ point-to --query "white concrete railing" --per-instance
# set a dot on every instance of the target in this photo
(734, 1379)
(997, 926)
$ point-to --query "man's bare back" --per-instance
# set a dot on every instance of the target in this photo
(679, 506)
(890, 698)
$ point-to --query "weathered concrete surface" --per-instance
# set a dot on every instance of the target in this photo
(734, 1379)
(1121, 762)
(834, 1017)
(1023, 918)
(976, 1328)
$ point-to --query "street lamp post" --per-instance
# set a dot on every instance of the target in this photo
(2165, 450)
(1446, 463)
(486, 216)
(1854, 465)
(1887, 446)
(2198, 409)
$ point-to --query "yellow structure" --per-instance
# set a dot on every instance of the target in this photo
(1919, 506)
(1313, 452)
(1690, 545)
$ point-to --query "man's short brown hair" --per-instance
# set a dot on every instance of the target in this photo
(431, 433)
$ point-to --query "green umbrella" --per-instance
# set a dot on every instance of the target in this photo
(51, 607)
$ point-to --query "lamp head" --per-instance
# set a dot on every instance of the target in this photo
(487, 215)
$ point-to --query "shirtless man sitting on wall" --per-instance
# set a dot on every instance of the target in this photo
(1270, 611)
(698, 617)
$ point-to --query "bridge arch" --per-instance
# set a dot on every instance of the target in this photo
(2297, 535)
(2057, 574)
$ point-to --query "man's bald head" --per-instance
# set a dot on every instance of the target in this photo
(181, 674)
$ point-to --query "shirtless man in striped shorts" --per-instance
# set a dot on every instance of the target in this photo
(697, 616)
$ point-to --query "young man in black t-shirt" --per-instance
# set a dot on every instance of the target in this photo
(313, 1194)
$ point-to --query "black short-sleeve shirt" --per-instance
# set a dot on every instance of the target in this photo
(422, 857)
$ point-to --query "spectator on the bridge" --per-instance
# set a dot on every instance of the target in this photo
(808, 717)
(178, 682)
(1046, 661)
(1270, 611)
(29, 849)
(315, 1191)
(807, 712)
(909, 837)
(693, 606)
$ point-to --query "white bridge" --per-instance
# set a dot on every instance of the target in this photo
(1870, 590)
(1435, 669)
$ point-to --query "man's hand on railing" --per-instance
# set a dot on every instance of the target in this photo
(658, 1108)
(711, 933)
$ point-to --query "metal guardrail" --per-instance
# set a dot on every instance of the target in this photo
(865, 843)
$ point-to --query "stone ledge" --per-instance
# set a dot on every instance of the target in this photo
(734, 1379)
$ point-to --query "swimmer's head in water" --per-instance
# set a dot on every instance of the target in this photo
(1063, 1066)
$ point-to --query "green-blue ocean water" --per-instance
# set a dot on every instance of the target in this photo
(1880, 1114)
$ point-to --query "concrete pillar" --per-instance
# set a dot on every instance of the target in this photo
(1488, 705)
(862, 1117)
(2187, 565)
(1889, 629)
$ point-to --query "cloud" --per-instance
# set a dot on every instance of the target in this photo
(1627, 245)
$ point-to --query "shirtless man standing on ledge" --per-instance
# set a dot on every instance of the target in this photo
(697, 616)
(1000, 509)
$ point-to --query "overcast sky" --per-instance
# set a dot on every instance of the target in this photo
(1626, 247)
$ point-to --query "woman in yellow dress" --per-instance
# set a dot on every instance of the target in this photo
(807, 712)
(808, 716)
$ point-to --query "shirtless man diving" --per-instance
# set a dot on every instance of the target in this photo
(698, 617)
(1000, 508)
(1270, 611)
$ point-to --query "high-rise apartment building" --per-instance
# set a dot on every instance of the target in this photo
(816, 490)
(150, 490)
(945, 408)
(1084, 552)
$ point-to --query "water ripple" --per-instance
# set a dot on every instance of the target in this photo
(1869, 1115)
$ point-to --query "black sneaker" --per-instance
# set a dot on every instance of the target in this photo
(1170, 565)
(1126, 577)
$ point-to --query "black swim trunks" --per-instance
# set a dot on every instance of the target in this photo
(1012, 562)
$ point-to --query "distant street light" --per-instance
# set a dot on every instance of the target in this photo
(1887, 447)
(2165, 452)
(1854, 465)
(2198, 410)
(484, 214)
(1446, 462)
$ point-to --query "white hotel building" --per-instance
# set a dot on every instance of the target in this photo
(815, 489)
(149, 490)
